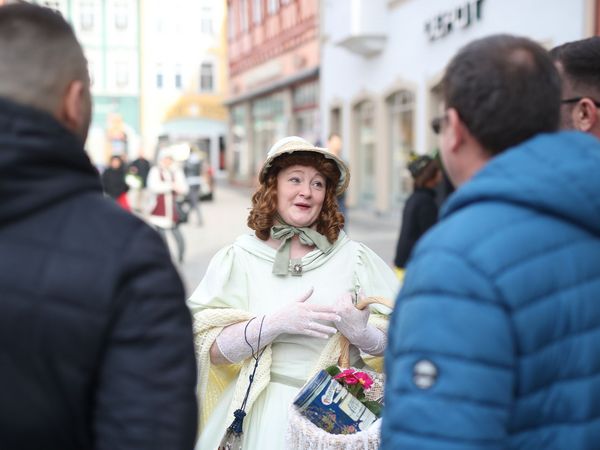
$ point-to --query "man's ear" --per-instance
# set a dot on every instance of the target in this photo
(71, 111)
(585, 115)
(456, 130)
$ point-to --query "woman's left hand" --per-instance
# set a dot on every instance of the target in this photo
(353, 321)
(354, 324)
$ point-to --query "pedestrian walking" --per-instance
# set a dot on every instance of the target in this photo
(138, 172)
(167, 181)
(420, 210)
(113, 182)
(493, 340)
(95, 338)
(193, 175)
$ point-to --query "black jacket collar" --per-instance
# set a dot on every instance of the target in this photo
(41, 162)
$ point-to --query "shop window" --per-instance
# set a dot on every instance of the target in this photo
(365, 129)
(400, 116)
(269, 125)
(239, 142)
(305, 110)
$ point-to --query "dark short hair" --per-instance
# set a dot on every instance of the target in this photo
(505, 90)
(39, 55)
(580, 61)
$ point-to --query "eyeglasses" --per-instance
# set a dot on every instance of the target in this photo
(578, 99)
(436, 123)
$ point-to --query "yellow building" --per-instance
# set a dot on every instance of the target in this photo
(185, 76)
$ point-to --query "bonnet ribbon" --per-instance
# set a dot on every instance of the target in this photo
(284, 232)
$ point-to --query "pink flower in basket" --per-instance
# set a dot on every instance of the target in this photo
(364, 379)
(352, 377)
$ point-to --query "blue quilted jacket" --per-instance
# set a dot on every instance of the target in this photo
(495, 339)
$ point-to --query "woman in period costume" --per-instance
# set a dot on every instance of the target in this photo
(292, 283)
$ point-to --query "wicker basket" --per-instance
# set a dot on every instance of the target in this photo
(302, 434)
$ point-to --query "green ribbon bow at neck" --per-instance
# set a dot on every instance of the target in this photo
(284, 233)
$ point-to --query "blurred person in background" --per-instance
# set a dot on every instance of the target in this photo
(420, 210)
(167, 181)
(578, 63)
(95, 338)
(193, 175)
(113, 182)
(137, 173)
(284, 290)
(495, 335)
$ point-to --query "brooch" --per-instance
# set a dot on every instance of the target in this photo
(297, 269)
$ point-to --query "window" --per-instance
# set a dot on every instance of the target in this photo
(273, 6)
(159, 77)
(87, 16)
(206, 22)
(244, 15)
(178, 79)
(52, 5)
(257, 11)
(122, 78)
(206, 77)
(121, 16)
(91, 73)
(231, 22)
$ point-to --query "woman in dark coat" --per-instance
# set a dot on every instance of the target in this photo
(421, 210)
(113, 182)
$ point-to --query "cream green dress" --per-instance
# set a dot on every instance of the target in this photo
(239, 277)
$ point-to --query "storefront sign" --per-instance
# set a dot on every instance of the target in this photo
(458, 18)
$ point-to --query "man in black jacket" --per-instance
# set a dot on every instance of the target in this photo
(96, 344)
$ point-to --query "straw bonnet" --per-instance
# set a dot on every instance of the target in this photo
(293, 144)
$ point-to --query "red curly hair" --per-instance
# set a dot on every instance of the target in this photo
(264, 200)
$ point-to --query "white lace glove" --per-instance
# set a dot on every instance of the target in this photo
(354, 325)
(298, 317)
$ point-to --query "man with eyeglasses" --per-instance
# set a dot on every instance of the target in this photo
(578, 63)
(493, 343)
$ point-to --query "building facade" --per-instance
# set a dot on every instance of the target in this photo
(381, 66)
(274, 78)
(184, 75)
(109, 33)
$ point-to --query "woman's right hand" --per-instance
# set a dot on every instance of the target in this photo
(300, 317)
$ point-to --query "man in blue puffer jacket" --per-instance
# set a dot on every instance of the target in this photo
(494, 340)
